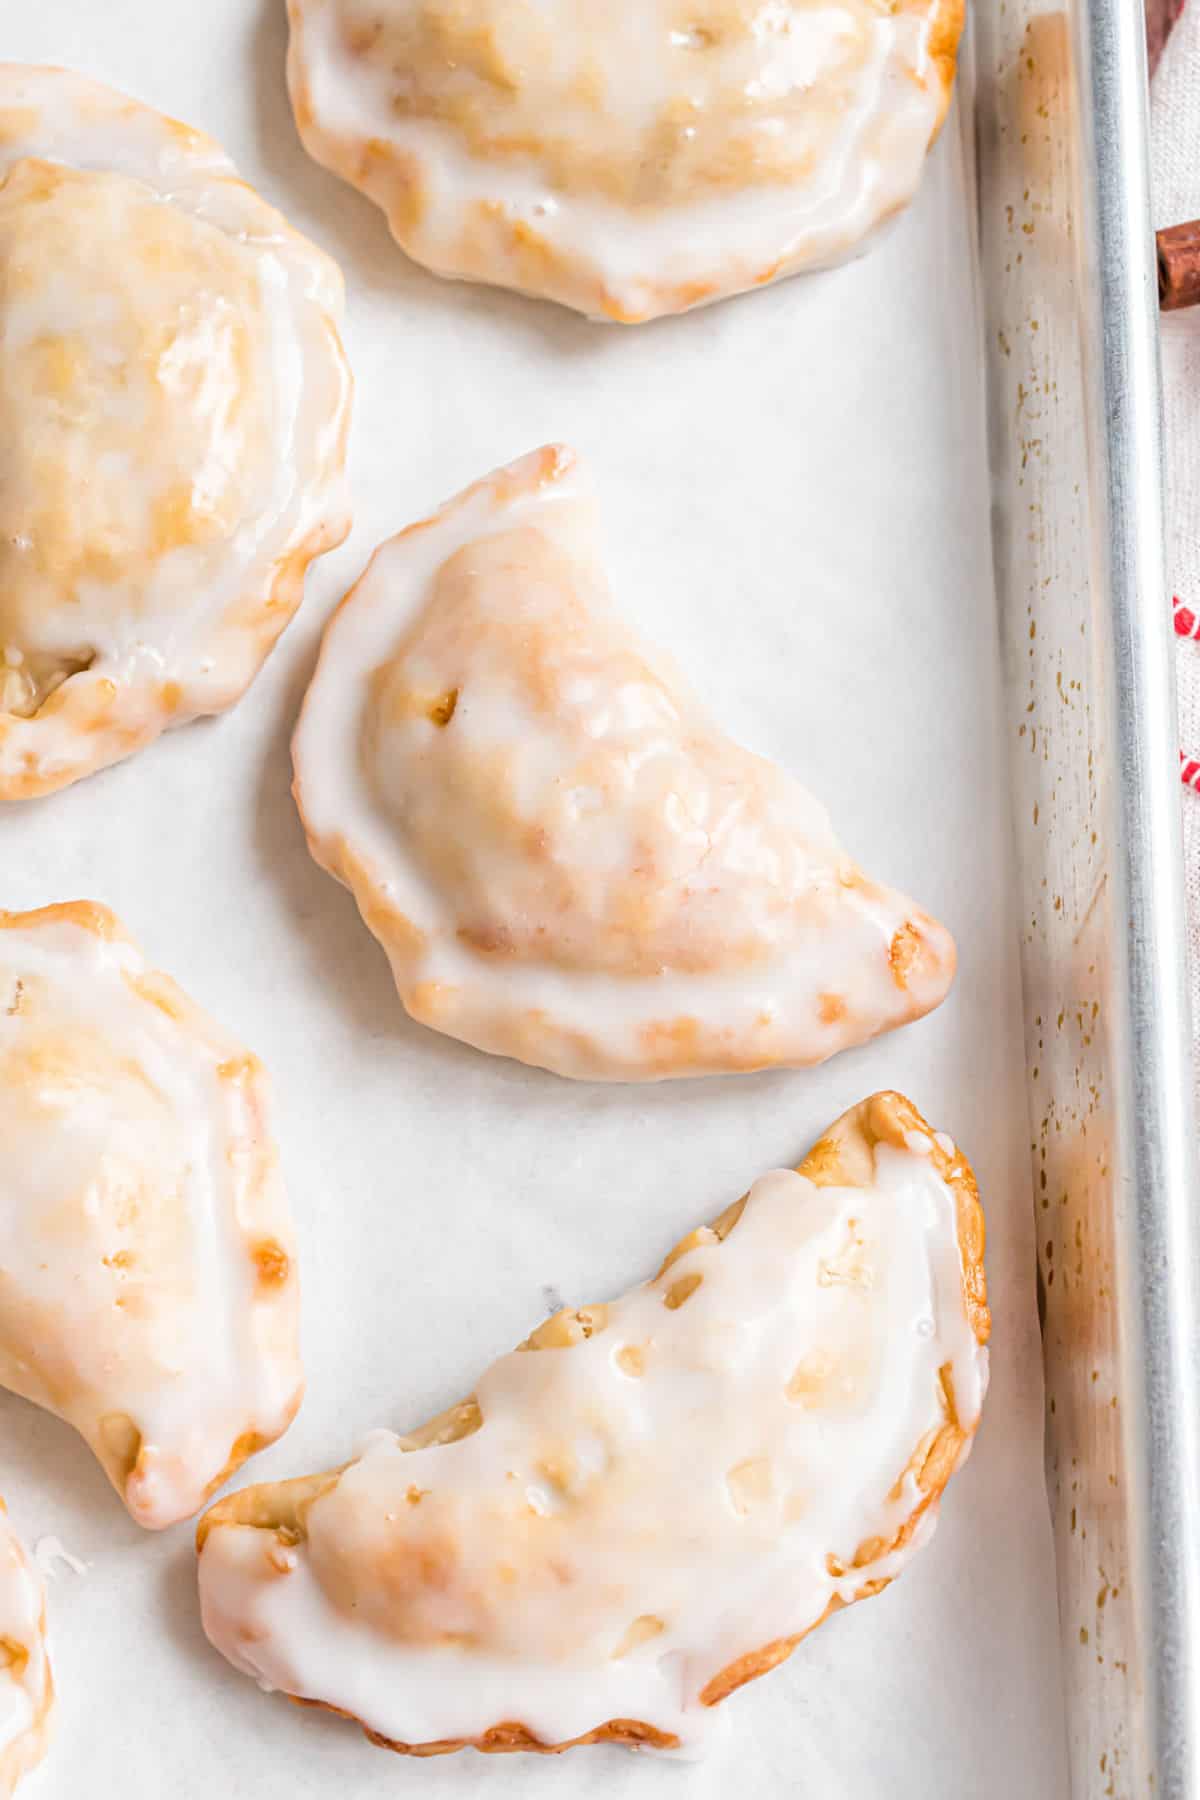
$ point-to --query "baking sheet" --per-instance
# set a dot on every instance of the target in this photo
(1076, 426)
(796, 502)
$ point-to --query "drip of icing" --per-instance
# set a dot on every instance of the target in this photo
(50, 1553)
(149, 1293)
(626, 161)
(564, 858)
(733, 1448)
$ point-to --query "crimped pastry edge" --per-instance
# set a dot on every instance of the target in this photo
(124, 1465)
(388, 182)
(921, 954)
(843, 1156)
(99, 719)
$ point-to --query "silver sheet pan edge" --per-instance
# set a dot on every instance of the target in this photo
(1070, 318)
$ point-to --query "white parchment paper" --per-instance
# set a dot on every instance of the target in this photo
(796, 499)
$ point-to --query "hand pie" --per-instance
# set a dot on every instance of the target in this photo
(616, 1531)
(175, 402)
(26, 1687)
(564, 859)
(628, 160)
(147, 1284)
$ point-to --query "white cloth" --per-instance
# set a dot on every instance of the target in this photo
(1175, 151)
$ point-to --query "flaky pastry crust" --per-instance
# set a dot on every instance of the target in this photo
(844, 1157)
(177, 404)
(496, 161)
(148, 1293)
(565, 859)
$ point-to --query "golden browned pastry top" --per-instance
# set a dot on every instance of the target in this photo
(564, 857)
(148, 1290)
(615, 1532)
(629, 160)
(174, 399)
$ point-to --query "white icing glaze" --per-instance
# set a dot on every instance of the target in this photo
(52, 1556)
(26, 1687)
(733, 1448)
(147, 1285)
(563, 857)
(626, 160)
(175, 400)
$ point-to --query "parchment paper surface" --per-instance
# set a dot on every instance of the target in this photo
(795, 499)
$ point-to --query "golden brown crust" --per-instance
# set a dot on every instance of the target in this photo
(87, 915)
(91, 705)
(28, 1751)
(844, 1156)
(945, 34)
(503, 1739)
(336, 855)
(523, 897)
(115, 1437)
(91, 716)
(491, 238)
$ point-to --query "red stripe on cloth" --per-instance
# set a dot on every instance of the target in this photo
(1189, 772)
(1187, 623)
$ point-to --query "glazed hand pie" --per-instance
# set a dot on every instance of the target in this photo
(175, 401)
(654, 1500)
(26, 1687)
(148, 1292)
(564, 859)
(627, 160)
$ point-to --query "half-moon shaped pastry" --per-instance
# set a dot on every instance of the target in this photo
(564, 859)
(175, 402)
(148, 1292)
(26, 1686)
(654, 1500)
(626, 159)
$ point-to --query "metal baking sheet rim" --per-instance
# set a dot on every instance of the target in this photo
(1070, 317)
